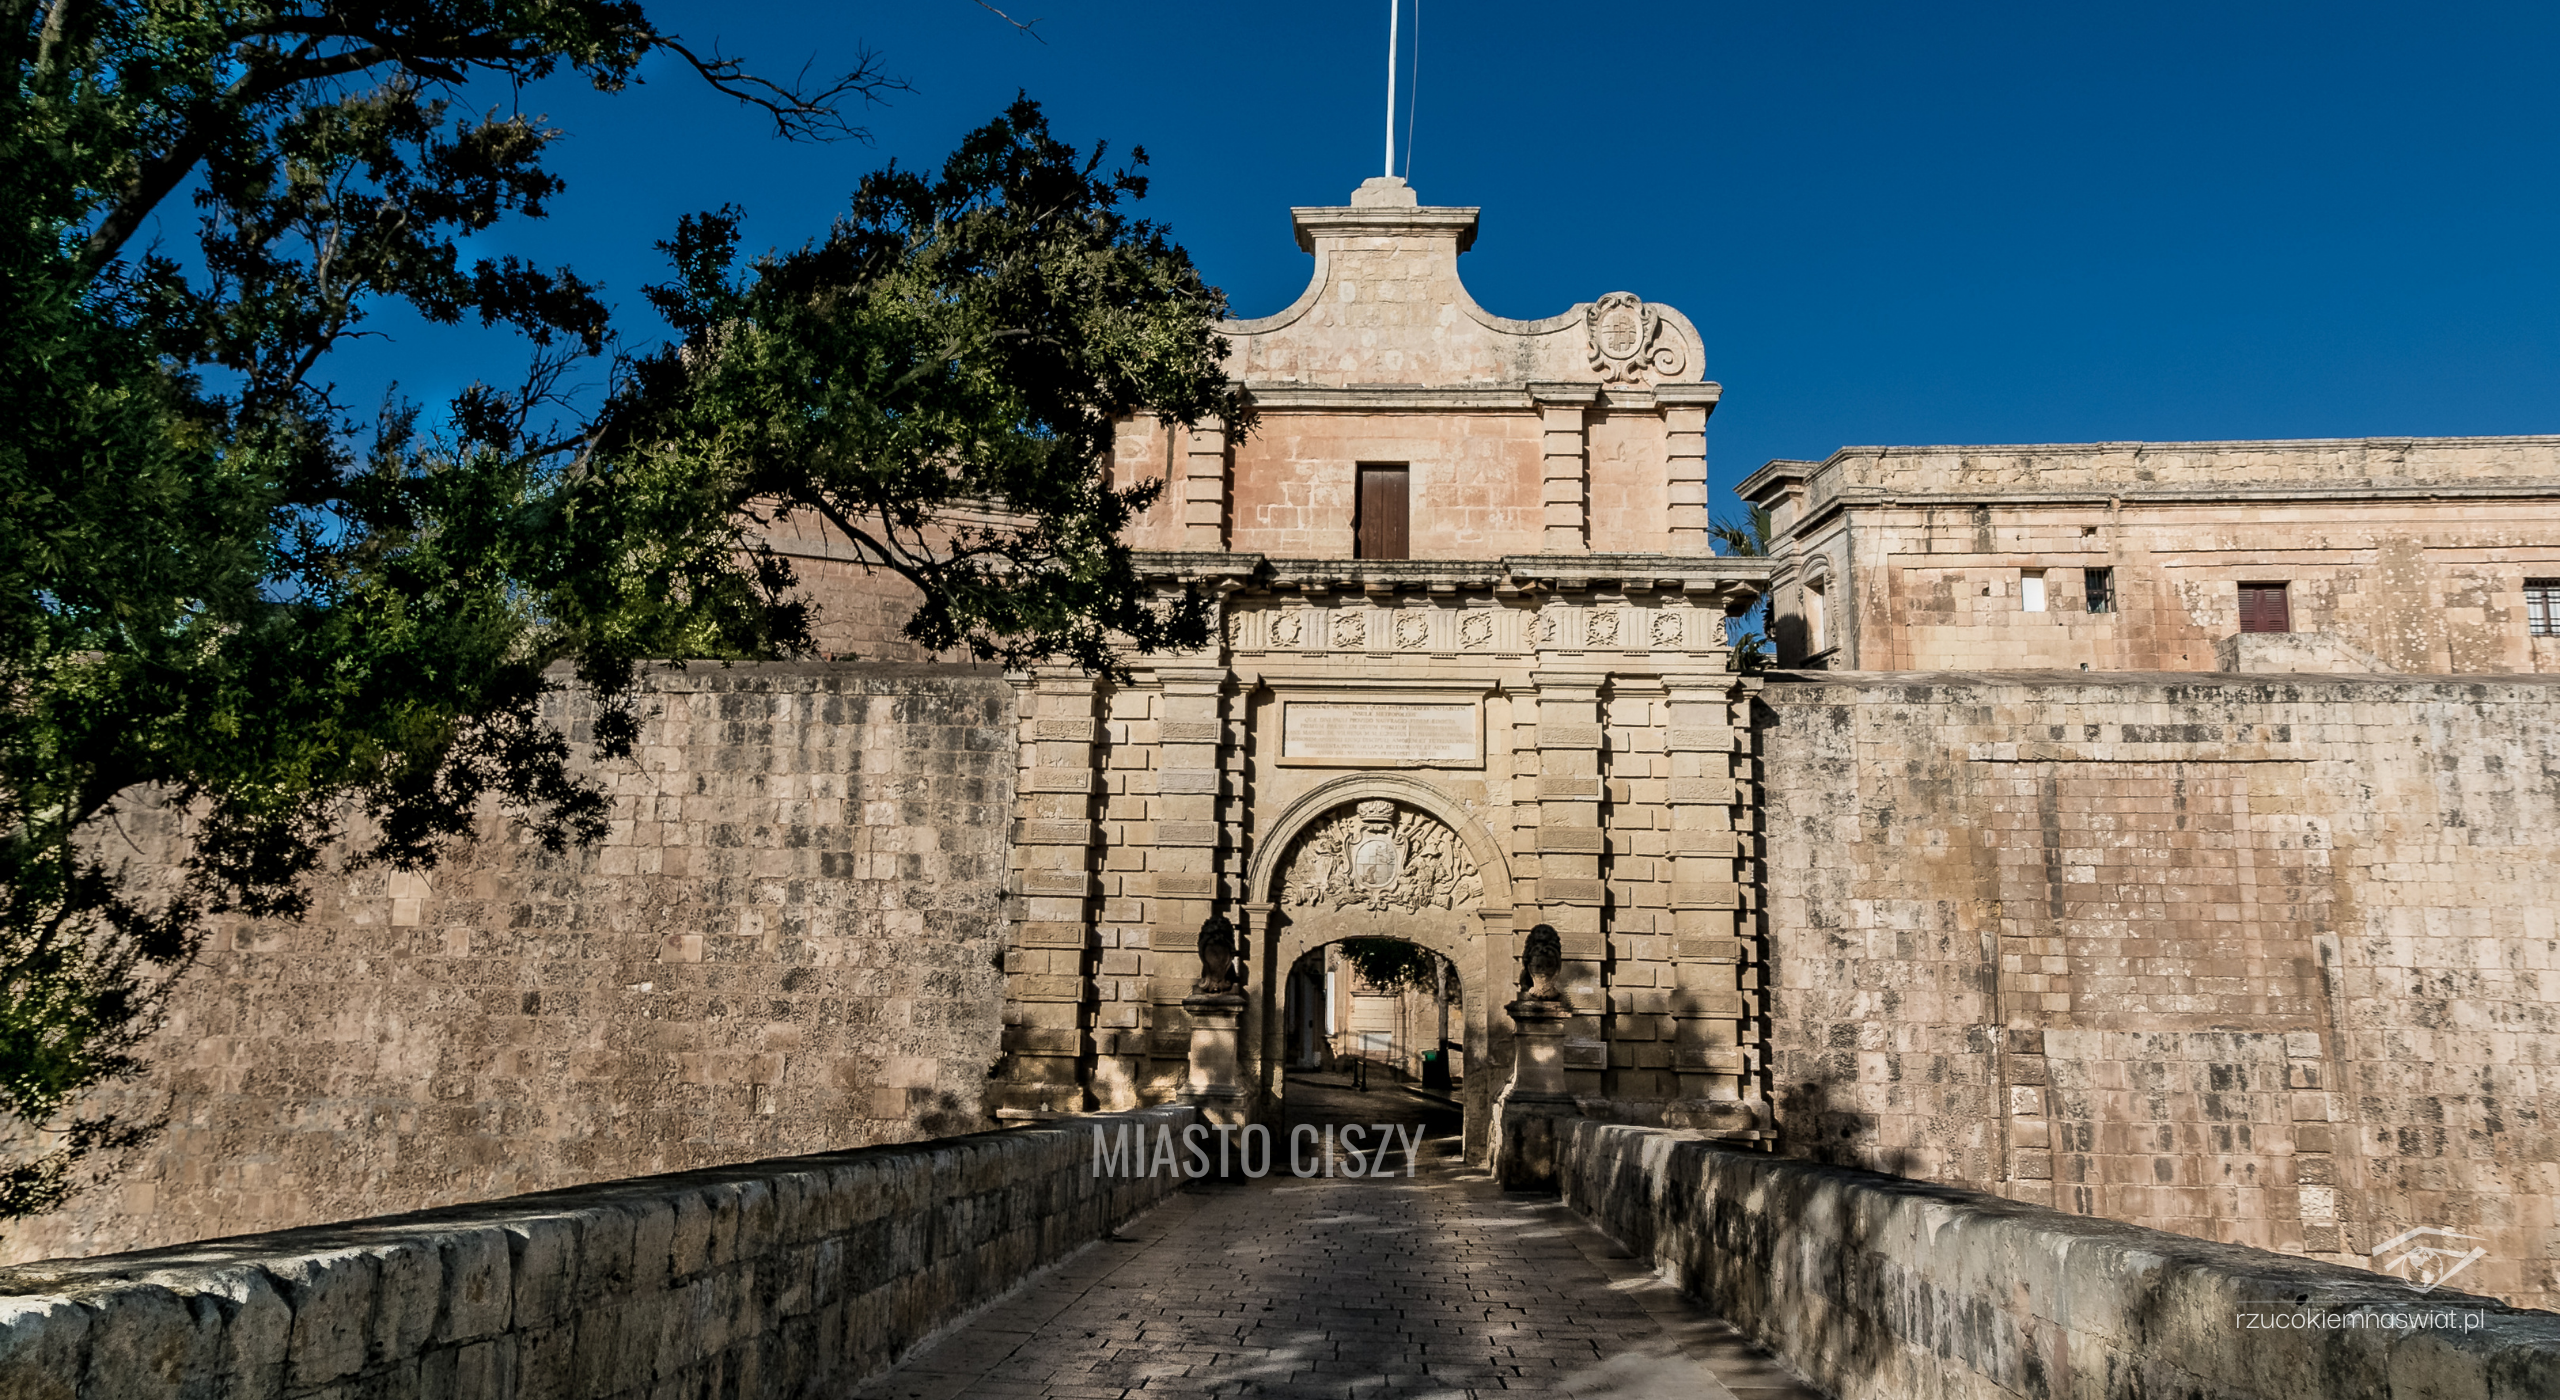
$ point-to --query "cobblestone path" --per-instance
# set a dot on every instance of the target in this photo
(1436, 1285)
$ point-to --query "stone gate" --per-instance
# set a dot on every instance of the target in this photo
(1472, 676)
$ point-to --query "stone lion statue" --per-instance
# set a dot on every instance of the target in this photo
(1541, 962)
(1221, 964)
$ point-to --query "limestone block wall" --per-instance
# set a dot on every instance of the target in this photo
(1877, 1288)
(858, 613)
(2268, 961)
(775, 1279)
(787, 942)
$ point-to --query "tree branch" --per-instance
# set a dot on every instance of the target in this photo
(1017, 24)
(887, 557)
(797, 114)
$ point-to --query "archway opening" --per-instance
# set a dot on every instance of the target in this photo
(1379, 856)
(1373, 1032)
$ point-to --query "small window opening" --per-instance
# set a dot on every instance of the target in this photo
(2542, 607)
(1382, 516)
(1817, 620)
(2263, 608)
(2031, 591)
(2098, 586)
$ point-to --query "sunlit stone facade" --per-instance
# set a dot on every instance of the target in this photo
(1524, 714)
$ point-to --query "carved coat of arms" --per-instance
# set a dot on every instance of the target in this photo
(1627, 339)
(1374, 862)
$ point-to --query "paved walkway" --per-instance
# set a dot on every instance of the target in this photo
(1439, 1285)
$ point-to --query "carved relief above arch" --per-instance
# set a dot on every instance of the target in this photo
(1381, 856)
(1430, 837)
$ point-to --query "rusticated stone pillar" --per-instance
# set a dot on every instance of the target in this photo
(1526, 1119)
(1216, 1085)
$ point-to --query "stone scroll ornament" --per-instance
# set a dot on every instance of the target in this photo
(1381, 857)
(1627, 340)
(1541, 963)
(1221, 961)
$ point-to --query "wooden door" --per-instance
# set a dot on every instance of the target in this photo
(2262, 608)
(1381, 526)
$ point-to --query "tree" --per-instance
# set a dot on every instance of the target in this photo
(1746, 535)
(1392, 965)
(292, 631)
(965, 340)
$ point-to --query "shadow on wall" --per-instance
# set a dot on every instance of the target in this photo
(941, 1113)
(1818, 1121)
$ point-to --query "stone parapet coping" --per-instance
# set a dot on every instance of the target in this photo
(1875, 1286)
(779, 1278)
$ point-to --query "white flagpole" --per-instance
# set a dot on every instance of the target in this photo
(1391, 86)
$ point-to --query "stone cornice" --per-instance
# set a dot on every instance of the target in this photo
(1386, 221)
(1718, 575)
(1282, 395)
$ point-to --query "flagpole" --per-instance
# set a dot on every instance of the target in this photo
(1391, 86)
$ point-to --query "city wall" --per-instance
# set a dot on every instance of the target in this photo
(780, 1278)
(788, 941)
(2265, 961)
(1881, 1289)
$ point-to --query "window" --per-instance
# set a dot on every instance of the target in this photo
(1380, 519)
(2098, 586)
(1817, 620)
(2031, 591)
(2542, 607)
(2262, 608)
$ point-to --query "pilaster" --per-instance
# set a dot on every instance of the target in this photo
(1684, 440)
(1565, 470)
(1717, 1003)
(1202, 488)
(1571, 789)
(1186, 841)
(1052, 960)
(1635, 869)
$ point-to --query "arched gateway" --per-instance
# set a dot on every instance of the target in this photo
(1381, 855)
(1471, 676)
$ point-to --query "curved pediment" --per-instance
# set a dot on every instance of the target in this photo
(1386, 306)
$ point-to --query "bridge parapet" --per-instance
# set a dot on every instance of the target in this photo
(1877, 1286)
(775, 1279)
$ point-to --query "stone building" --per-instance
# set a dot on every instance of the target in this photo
(2425, 555)
(1473, 676)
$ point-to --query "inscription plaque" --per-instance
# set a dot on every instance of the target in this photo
(1327, 731)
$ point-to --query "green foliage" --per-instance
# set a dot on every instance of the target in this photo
(243, 617)
(1393, 965)
(939, 380)
(1746, 535)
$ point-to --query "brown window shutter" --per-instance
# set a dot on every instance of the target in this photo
(2262, 608)
(1386, 509)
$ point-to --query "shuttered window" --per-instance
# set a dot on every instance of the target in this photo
(1381, 527)
(2262, 608)
(2542, 607)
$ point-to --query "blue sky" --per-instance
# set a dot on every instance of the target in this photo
(1891, 223)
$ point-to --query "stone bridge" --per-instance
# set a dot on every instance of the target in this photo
(1033, 1262)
